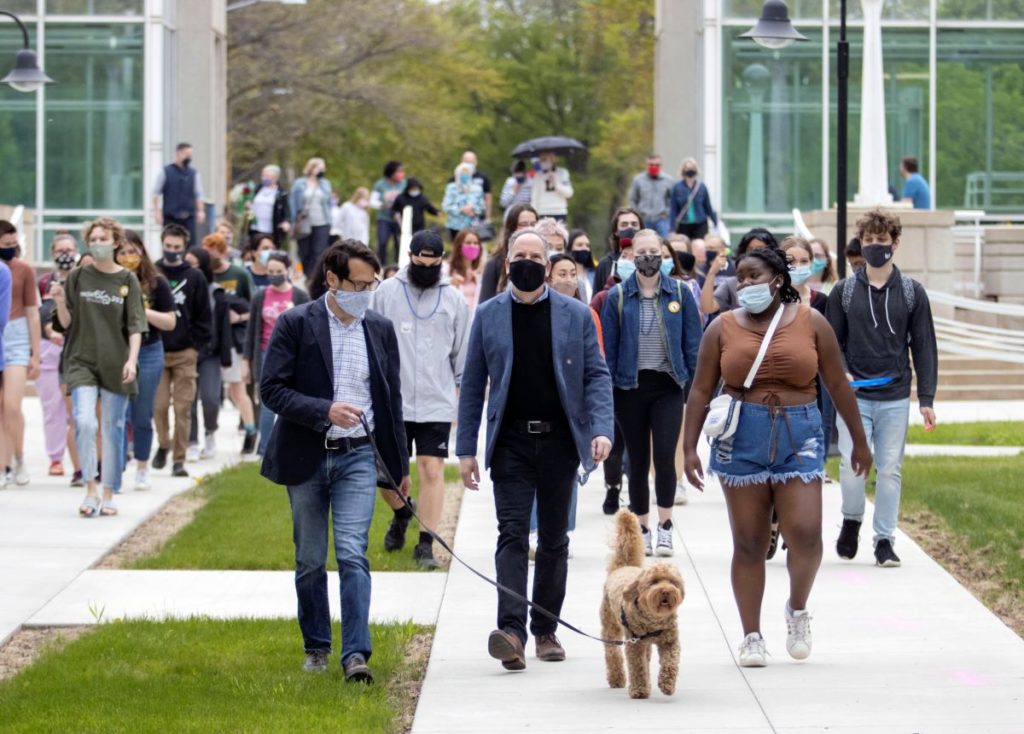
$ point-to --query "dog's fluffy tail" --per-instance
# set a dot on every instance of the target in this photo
(628, 543)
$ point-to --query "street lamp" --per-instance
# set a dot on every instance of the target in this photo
(26, 76)
(774, 29)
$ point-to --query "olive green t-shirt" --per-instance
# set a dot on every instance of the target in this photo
(105, 309)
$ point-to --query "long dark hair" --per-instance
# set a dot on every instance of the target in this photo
(575, 235)
(511, 221)
(757, 233)
(775, 260)
(146, 272)
(457, 261)
(613, 229)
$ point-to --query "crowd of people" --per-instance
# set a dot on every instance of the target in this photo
(573, 362)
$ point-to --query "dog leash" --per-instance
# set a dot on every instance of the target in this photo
(500, 587)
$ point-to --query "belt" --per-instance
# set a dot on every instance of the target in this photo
(536, 428)
(344, 445)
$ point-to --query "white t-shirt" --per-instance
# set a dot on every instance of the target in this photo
(263, 209)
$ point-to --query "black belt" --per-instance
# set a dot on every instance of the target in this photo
(536, 428)
(344, 445)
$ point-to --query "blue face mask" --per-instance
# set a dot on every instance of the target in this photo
(265, 256)
(624, 269)
(799, 274)
(667, 265)
(354, 303)
(818, 265)
(464, 178)
(756, 298)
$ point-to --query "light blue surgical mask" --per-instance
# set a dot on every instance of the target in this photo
(756, 298)
(624, 269)
(667, 264)
(818, 265)
(354, 303)
(265, 256)
(799, 274)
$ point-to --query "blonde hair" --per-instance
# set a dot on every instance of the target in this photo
(311, 164)
(467, 167)
(63, 234)
(359, 193)
(692, 161)
(107, 223)
(647, 233)
(550, 226)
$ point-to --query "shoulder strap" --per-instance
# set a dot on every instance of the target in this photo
(618, 288)
(847, 296)
(764, 347)
(908, 292)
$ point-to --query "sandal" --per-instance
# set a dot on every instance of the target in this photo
(108, 508)
(90, 506)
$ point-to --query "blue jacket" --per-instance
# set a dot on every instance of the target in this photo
(701, 205)
(583, 384)
(680, 328)
(298, 385)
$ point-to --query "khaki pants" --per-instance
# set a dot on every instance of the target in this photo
(177, 384)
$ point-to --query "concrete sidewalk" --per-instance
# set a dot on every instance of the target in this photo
(895, 650)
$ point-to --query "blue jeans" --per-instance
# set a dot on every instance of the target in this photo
(885, 426)
(140, 411)
(267, 418)
(662, 226)
(572, 509)
(112, 410)
(344, 485)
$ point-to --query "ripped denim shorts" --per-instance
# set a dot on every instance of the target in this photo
(771, 444)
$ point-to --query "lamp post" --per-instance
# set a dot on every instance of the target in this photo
(26, 76)
(774, 30)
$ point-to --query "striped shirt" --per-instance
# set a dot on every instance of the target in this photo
(652, 344)
(351, 372)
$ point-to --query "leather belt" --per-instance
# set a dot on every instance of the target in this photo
(536, 428)
(344, 445)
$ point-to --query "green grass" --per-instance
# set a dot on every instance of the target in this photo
(205, 676)
(986, 433)
(247, 525)
(980, 500)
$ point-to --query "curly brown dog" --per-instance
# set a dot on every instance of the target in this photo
(640, 603)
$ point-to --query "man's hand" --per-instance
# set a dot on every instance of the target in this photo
(285, 227)
(404, 486)
(600, 447)
(469, 470)
(129, 372)
(344, 415)
(200, 216)
(158, 217)
(233, 318)
(929, 418)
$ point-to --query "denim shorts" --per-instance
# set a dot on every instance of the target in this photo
(17, 348)
(771, 444)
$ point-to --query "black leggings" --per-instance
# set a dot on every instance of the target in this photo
(613, 464)
(650, 413)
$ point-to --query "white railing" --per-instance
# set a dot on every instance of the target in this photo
(969, 229)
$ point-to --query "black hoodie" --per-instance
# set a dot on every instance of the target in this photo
(877, 334)
(191, 305)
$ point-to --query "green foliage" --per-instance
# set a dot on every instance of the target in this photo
(247, 525)
(986, 433)
(200, 675)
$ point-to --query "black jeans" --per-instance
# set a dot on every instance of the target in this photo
(525, 466)
(651, 413)
(210, 393)
(312, 248)
(694, 231)
(613, 464)
(387, 229)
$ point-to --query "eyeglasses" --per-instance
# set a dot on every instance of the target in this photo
(360, 286)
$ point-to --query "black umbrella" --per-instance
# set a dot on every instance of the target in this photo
(556, 143)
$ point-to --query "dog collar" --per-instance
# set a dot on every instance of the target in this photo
(634, 637)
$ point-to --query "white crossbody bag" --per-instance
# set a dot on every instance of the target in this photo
(724, 411)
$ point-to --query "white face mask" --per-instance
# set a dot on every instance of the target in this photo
(354, 303)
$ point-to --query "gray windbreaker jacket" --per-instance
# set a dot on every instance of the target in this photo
(432, 327)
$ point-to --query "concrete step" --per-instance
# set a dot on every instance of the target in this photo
(993, 391)
(980, 377)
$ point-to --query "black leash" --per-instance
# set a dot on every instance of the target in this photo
(500, 587)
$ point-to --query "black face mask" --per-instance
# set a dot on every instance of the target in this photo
(172, 258)
(625, 236)
(583, 257)
(876, 255)
(320, 174)
(710, 258)
(686, 260)
(278, 279)
(7, 253)
(424, 276)
(526, 275)
(647, 265)
(64, 261)
(186, 163)
(689, 173)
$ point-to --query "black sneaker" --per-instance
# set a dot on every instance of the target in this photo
(357, 670)
(846, 546)
(249, 442)
(885, 556)
(76, 479)
(159, 459)
(316, 661)
(178, 470)
(423, 554)
(394, 538)
(611, 499)
(773, 542)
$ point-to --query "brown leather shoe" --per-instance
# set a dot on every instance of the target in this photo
(507, 648)
(549, 649)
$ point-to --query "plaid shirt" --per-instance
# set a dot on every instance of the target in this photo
(351, 372)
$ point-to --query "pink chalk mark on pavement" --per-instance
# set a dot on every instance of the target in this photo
(968, 678)
(895, 623)
(854, 577)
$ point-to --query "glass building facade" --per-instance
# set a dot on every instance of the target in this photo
(954, 90)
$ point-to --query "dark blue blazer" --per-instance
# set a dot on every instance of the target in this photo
(298, 385)
(584, 386)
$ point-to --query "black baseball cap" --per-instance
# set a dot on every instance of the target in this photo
(427, 239)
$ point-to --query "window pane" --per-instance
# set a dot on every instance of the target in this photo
(771, 119)
(905, 68)
(17, 129)
(979, 138)
(94, 7)
(891, 10)
(810, 9)
(94, 135)
(981, 9)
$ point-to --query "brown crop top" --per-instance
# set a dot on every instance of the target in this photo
(791, 363)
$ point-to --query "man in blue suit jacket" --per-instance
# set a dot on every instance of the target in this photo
(329, 365)
(550, 410)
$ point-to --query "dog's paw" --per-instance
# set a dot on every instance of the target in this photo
(639, 692)
(616, 681)
(667, 687)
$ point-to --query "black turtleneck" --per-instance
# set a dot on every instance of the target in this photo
(532, 392)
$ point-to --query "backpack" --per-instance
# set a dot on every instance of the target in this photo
(906, 283)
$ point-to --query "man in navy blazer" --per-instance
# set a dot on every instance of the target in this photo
(550, 410)
(329, 365)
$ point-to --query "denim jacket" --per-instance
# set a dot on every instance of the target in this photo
(678, 320)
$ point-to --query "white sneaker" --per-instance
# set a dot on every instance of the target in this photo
(648, 542)
(681, 498)
(192, 452)
(210, 449)
(533, 547)
(753, 653)
(664, 548)
(798, 633)
(21, 477)
(141, 480)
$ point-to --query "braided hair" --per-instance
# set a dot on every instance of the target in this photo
(775, 260)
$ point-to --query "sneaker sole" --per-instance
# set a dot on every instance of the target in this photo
(887, 564)
(752, 662)
(801, 652)
(360, 676)
(501, 649)
(664, 552)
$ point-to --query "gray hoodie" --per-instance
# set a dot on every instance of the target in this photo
(432, 327)
(651, 196)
